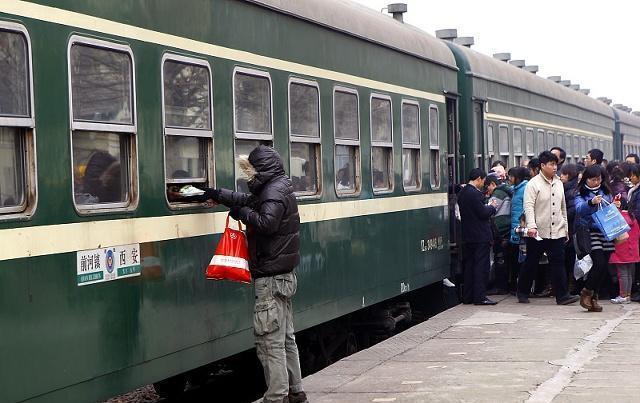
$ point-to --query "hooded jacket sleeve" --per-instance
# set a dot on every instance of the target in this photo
(267, 219)
(234, 199)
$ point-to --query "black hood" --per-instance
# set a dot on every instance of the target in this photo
(268, 165)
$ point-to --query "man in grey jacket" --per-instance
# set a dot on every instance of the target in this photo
(546, 219)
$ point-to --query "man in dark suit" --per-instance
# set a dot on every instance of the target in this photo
(475, 220)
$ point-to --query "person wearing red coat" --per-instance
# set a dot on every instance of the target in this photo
(625, 258)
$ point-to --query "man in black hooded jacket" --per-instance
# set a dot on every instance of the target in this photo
(270, 212)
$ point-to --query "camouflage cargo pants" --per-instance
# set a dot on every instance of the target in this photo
(275, 342)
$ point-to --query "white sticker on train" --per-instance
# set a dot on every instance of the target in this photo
(107, 264)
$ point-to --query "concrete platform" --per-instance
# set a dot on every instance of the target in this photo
(539, 352)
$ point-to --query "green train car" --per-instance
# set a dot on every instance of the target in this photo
(105, 107)
(628, 132)
(510, 114)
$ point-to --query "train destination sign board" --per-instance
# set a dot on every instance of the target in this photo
(107, 264)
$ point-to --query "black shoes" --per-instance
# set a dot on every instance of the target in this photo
(299, 397)
(523, 299)
(567, 299)
(486, 301)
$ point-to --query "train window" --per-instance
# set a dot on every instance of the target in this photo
(103, 124)
(577, 148)
(551, 140)
(17, 153)
(188, 128)
(252, 106)
(490, 140)
(560, 140)
(346, 126)
(517, 146)
(434, 145)
(411, 172)
(304, 132)
(540, 139)
(381, 144)
(528, 140)
(503, 143)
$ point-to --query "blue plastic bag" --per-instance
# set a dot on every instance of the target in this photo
(610, 222)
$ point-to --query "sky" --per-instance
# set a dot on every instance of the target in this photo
(592, 43)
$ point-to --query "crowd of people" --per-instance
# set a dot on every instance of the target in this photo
(525, 228)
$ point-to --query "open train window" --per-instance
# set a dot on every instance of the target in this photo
(304, 133)
(188, 124)
(411, 165)
(517, 146)
(346, 130)
(528, 143)
(17, 151)
(253, 119)
(103, 124)
(381, 144)
(434, 146)
(503, 143)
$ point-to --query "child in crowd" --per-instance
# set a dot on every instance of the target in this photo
(625, 258)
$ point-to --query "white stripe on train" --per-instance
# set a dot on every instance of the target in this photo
(63, 238)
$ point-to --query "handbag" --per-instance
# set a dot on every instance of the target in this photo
(609, 221)
(231, 259)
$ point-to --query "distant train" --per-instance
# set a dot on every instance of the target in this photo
(105, 108)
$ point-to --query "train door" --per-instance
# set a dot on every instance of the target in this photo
(453, 158)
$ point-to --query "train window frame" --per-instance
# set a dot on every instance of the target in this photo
(349, 143)
(435, 181)
(208, 134)
(293, 138)
(576, 147)
(541, 138)
(490, 146)
(382, 144)
(412, 146)
(261, 138)
(26, 133)
(529, 134)
(517, 155)
(131, 143)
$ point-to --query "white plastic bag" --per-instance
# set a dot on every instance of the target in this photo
(582, 267)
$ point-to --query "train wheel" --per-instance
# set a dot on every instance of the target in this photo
(171, 388)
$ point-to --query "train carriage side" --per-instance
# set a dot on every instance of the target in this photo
(627, 133)
(128, 102)
(510, 114)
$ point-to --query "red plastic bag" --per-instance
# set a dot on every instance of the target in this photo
(231, 260)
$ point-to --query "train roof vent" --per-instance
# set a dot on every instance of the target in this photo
(555, 79)
(518, 63)
(575, 87)
(503, 57)
(585, 91)
(531, 69)
(618, 106)
(566, 83)
(464, 41)
(397, 10)
(447, 34)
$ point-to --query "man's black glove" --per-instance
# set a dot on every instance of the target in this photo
(209, 194)
(212, 194)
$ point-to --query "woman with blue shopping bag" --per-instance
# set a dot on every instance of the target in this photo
(591, 192)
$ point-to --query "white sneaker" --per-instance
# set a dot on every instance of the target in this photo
(620, 300)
